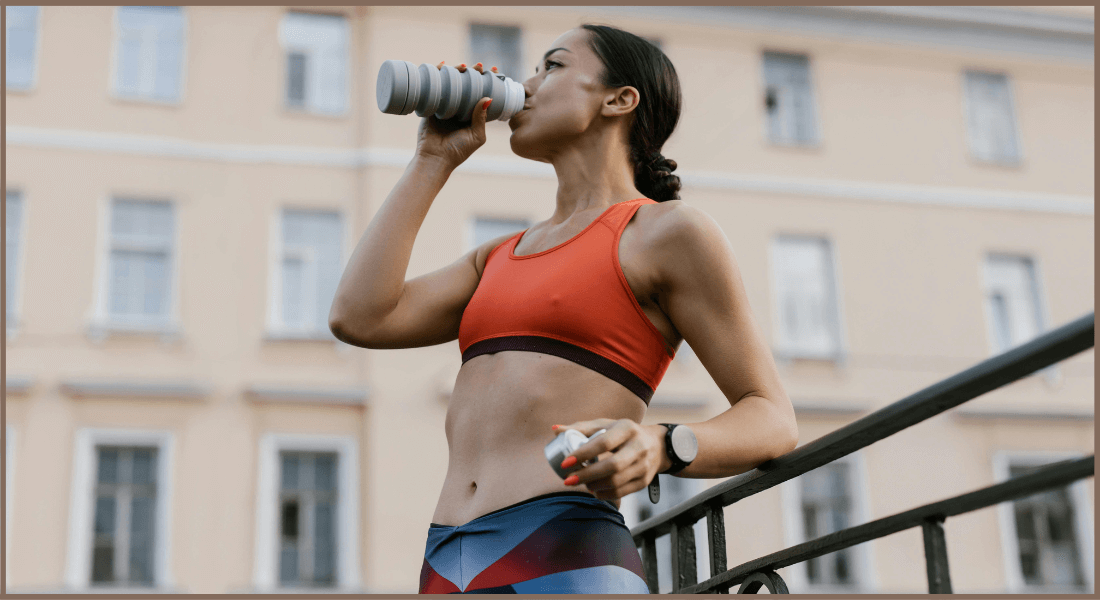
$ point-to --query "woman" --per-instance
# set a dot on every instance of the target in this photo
(555, 336)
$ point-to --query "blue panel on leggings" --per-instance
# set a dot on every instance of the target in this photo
(606, 579)
(492, 535)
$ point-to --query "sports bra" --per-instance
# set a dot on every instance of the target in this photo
(571, 301)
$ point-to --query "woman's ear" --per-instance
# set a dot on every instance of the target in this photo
(621, 101)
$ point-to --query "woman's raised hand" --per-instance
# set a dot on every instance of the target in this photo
(451, 141)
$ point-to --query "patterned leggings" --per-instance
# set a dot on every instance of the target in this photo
(563, 542)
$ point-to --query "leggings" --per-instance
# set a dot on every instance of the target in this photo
(562, 542)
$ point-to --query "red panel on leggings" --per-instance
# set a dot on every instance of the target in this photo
(571, 301)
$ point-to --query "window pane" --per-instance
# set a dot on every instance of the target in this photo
(788, 98)
(806, 296)
(140, 269)
(324, 564)
(288, 565)
(296, 79)
(499, 46)
(144, 466)
(108, 465)
(103, 561)
(150, 51)
(1011, 301)
(290, 472)
(324, 470)
(1046, 536)
(22, 27)
(312, 261)
(324, 39)
(992, 122)
(105, 515)
(290, 519)
(141, 540)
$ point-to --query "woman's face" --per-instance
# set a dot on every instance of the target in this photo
(564, 98)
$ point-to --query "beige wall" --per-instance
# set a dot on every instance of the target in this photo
(891, 117)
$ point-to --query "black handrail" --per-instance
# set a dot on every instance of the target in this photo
(1017, 363)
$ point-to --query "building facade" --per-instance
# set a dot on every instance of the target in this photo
(908, 191)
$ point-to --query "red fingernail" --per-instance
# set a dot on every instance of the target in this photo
(462, 65)
(572, 480)
(569, 462)
(478, 65)
(554, 426)
(487, 103)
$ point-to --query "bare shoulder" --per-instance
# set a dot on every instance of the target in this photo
(673, 232)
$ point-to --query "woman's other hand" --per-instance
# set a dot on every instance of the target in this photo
(452, 141)
(630, 456)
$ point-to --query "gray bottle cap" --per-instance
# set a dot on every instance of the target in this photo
(392, 87)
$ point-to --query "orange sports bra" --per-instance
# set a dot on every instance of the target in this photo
(571, 301)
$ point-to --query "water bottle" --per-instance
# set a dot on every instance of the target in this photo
(403, 87)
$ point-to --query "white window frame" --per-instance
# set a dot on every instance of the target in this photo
(1052, 375)
(35, 60)
(9, 498)
(794, 532)
(17, 321)
(815, 140)
(1082, 512)
(629, 507)
(1016, 161)
(276, 329)
(112, 79)
(78, 564)
(266, 550)
(100, 323)
(785, 352)
(311, 52)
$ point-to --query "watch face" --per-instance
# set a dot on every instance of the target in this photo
(684, 443)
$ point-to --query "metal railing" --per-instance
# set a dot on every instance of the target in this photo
(988, 375)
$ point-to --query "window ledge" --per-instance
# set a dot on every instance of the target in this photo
(146, 101)
(298, 336)
(18, 386)
(100, 388)
(97, 590)
(166, 331)
(811, 146)
(19, 91)
(357, 396)
(291, 111)
(306, 590)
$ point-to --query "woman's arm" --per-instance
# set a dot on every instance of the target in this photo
(704, 297)
(702, 293)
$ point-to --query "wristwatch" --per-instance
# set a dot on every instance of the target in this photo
(681, 448)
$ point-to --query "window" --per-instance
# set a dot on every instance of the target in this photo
(317, 58)
(141, 261)
(307, 514)
(125, 502)
(150, 53)
(307, 519)
(1013, 304)
(817, 503)
(990, 117)
(309, 269)
(119, 523)
(806, 297)
(498, 46)
(788, 99)
(1047, 535)
(637, 507)
(13, 209)
(487, 228)
(21, 45)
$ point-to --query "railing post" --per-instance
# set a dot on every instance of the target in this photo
(649, 561)
(935, 555)
(683, 556)
(716, 539)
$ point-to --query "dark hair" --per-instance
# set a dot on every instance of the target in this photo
(632, 60)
